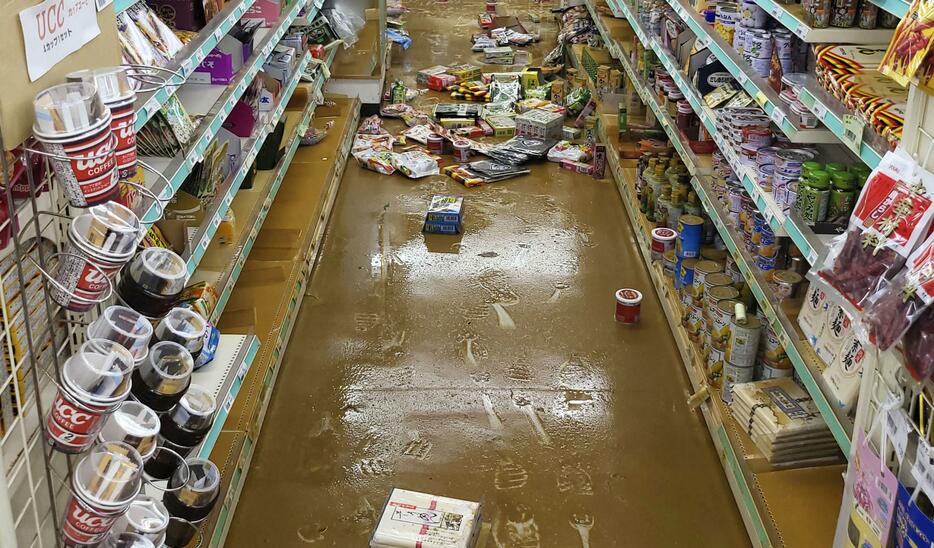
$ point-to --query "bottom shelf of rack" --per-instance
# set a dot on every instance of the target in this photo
(269, 293)
(781, 507)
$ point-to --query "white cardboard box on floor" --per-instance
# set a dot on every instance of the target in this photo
(419, 520)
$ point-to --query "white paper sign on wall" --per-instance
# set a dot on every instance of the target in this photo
(54, 29)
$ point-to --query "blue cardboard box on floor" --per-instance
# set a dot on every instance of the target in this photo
(445, 215)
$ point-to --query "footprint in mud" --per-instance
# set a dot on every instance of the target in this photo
(418, 448)
(556, 294)
(496, 284)
(520, 370)
(525, 404)
(574, 479)
(510, 475)
(477, 312)
(585, 237)
(468, 342)
(375, 467)
(516, 528)
(578, 371)
(480, 377)
(503, 317)
(582, 523)
(311, 533)
(365, 321)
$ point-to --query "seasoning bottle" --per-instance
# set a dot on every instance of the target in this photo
(842, 196)
(813, 197)
(861, 173)
(687, 121)
(674, 97)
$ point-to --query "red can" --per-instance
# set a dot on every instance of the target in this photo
(628, 305)
(435, 144)
(68, 415)
(87, 525)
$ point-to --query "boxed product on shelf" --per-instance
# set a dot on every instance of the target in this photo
(267, 12)
(144, 38)
(282, 63)
(180, 14)
(225, 60)
(411, 519)
(422, 76)
(445, 214)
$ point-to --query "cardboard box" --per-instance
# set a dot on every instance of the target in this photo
(281, 64)
(422, 76)
(503, 126)
(440, 82)
(599, 161)
(539, 124)
(415, 519)
(224, 62)
(578, 167)
(465, 72)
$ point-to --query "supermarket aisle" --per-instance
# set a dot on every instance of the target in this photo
(487, 367)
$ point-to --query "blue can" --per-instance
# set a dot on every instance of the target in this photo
(690, 234)
(684, 272)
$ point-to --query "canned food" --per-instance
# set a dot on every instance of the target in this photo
(720, 317)
(663, 239)
(668, 263)
(768, 370)
(785, 284)
(701, 270)
(690, 232)
(685, 273)
(735, 374)
(695, 322)
(743, 342)
(714, 361)
(772, 348)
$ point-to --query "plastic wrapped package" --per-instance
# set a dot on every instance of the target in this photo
(415, 164)
(419, 520)
(345, 24)
(917, 347)
(892, 214)
(910, 44)
(898, 303)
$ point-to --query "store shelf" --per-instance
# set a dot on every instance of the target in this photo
(895, 7)
(811, 246)
(222, 264)
(805, 363)
(831, 112)
(122, 5)
(278, 314)
(204, 235)
(791, 16)
(177, 168)
(780, 507)
(189, 57)
(223, 377)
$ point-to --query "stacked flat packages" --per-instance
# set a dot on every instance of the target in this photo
(783, 421)
(419, 520)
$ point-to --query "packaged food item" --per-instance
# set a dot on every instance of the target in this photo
(844, 374)
(415, 164)
(891, 216)
(566, 150)
(898, 303)
(908, 49)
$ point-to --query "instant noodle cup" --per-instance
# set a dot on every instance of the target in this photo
(628, 305)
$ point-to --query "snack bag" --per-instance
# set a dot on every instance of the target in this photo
(892, 309)
(566, 150)
(892, 214)
(577, 100)
(917, 346)
(415, 164)
(910, 43)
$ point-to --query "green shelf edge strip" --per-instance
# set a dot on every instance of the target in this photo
(283, 168)
(180, 168)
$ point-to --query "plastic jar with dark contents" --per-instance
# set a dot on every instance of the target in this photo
(813, 197)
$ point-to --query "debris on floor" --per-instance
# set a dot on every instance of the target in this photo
(412, 520)
(445, 215)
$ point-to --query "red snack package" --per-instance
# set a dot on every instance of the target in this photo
(892, 214)
(918, 346)
(901, 301)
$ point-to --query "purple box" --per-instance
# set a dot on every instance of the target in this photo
(241, 120)
(180, 14)
(224, 61)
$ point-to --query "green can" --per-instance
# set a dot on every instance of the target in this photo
(842, 196)
(813, 197)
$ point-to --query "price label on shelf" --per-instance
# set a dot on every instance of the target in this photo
(819, 110)
(852, 132)
(228, 403)
(218, 34)
(151, 106)
(897, 429)
(768, 215)
(778, 117)
(185, 66)
(812, 256)
(216, 222)
(801, 31)
(775, 11)
(228, 200)
(244, 367)
(761, 99)
(205, 242)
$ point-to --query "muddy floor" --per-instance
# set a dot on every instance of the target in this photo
(487, 366)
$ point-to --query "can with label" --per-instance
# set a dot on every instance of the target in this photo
(735, 374)
(771, 370)
(742, 345)
(663, 239)
(668, 263)
(720, 318)
(712, 298)
(461, 152)
(690, 233)
(717, 279)
(695, 322)
(772, 348)
(785, 284)
(701, 270)
(685, 273)
(435, 144)
(714, 361)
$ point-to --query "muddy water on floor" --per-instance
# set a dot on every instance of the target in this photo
(486, 366)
